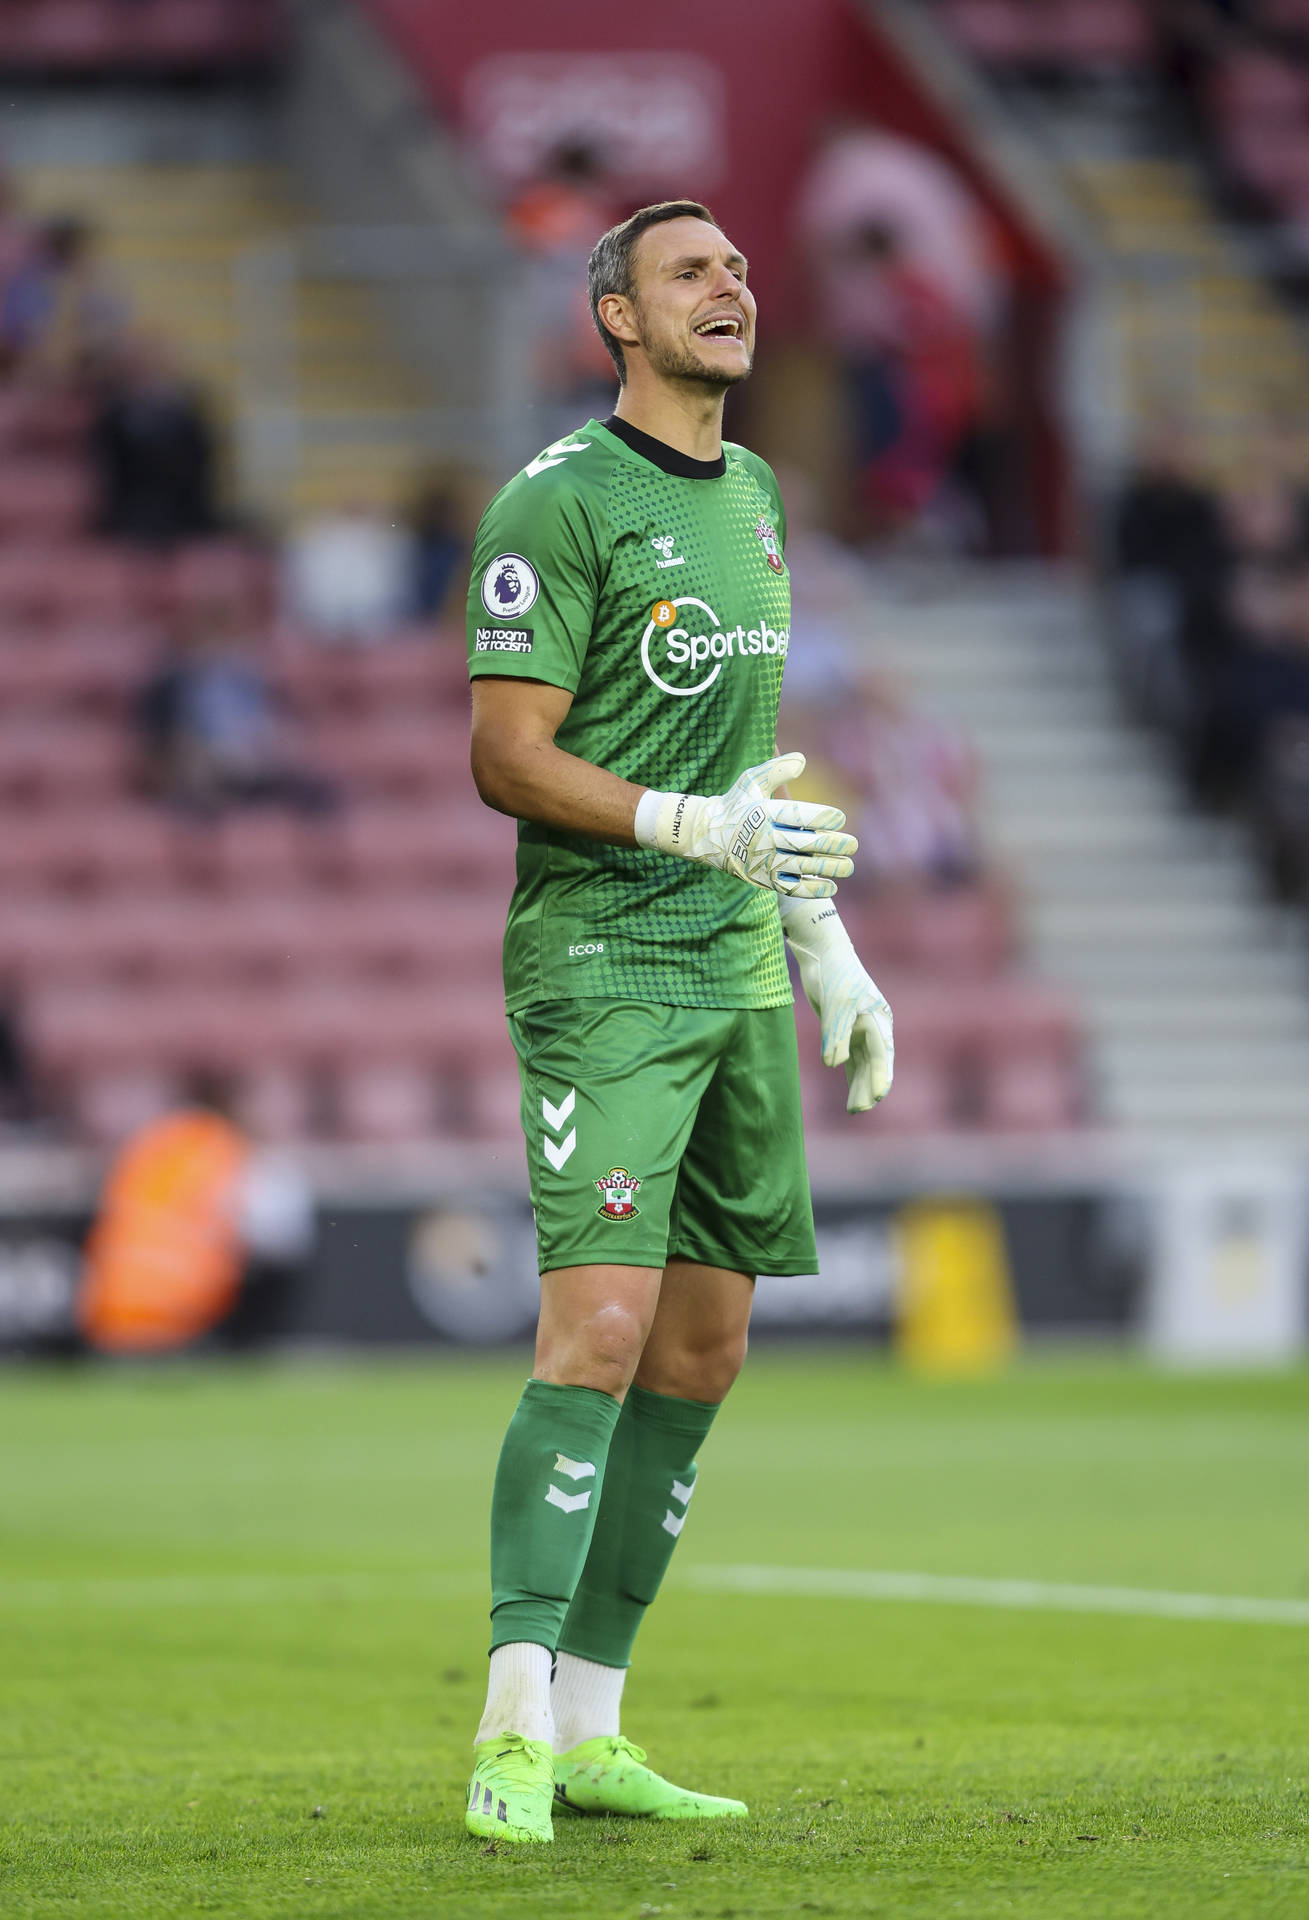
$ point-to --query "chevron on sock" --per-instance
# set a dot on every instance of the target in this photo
(648, 1483)
(547, 1493)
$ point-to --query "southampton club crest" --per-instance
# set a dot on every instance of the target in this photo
(772, 552)
(619, 1189)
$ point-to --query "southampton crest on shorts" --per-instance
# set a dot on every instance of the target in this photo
(619, 1189)
(772, 552)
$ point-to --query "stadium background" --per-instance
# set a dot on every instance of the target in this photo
(322, 294)
(285, 292)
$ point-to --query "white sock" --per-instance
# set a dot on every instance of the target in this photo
(585, 1699)
(518, 1693)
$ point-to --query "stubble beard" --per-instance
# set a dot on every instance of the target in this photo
(677, 362)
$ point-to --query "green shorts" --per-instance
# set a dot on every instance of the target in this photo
(658, 1133)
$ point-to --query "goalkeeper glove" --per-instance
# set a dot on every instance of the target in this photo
(791, 846)
(854, 1018)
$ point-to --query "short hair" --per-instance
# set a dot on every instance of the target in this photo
(610, 268)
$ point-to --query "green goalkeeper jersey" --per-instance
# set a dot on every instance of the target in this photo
(652, 587)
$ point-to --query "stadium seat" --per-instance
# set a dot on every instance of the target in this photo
(492, 1103)
(273, 1104)
(384, 1100)
(108, 1107)
(43, 498)
(62, 759)
(256, 849)
(61, 33)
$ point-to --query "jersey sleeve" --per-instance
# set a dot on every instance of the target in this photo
(535, 581)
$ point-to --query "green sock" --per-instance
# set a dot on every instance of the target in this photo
(543, 1510)
(648, 1484)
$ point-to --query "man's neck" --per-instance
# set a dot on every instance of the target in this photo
(689, 418)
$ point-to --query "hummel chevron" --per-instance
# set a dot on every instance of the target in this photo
(559, 1152)
(554, 455)
(674, 1522)
(569, 1502)
(575, 1469)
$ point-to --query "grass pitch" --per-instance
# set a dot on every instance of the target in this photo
(242, 1627)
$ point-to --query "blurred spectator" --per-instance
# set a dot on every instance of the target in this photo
(196, 1234)
(439, 546)
(60, 317)
(1171, 550)
(17, 1099)
(907, 294)
(15, 243)
(350, 574)
(557, 220)
(210, 729)
(906, 779)
(154, 450)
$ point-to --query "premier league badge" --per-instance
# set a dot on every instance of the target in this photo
(772, 552)
(510, 586)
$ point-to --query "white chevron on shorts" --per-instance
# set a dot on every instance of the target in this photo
(558, 1155)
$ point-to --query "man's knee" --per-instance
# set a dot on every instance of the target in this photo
(599, 1350)
(694, 1370)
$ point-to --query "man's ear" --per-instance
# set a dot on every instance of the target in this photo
(615, 309)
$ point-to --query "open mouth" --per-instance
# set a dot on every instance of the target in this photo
(723, 326)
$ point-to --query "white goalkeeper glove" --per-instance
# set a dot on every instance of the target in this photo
(792, 846)
(854, 1018)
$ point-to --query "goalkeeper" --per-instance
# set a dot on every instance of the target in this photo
(628, 623)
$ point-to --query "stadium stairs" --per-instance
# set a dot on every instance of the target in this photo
(1192, 987)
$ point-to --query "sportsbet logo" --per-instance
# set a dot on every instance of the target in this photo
(670, 642)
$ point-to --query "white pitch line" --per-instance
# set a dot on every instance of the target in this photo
(236, 1589)
(1030, 1595)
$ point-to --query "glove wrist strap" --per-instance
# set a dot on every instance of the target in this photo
(666, 821)
(810, 924)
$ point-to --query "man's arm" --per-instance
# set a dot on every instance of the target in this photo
(519, 770)
(789, 846)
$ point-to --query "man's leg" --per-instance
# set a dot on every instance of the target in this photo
(694, 1352)
(594, 1322)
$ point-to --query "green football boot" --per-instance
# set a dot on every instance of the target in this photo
(512, 1789)
(609, 1775)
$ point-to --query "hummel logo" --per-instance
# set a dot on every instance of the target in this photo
(674, 1522)
(665, 544)
(557, 1152)
(573, 1470)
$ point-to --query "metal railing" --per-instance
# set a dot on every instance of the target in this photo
(451, 305)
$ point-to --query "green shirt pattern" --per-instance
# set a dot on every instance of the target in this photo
(662, 603)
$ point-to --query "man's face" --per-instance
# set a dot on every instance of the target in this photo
(693, 313)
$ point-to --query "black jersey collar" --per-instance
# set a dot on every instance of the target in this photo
(666, 457)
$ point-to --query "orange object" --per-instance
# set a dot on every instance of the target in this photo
(165, 1258)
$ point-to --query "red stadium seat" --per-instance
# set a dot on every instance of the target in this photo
(999, 32)
(273, 1104)
(62, 33)
(81, 582)
(44, 499)
(492, 1101)
(1100, 33)
(62, 759)
(386, 1101)
(108, 1107)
